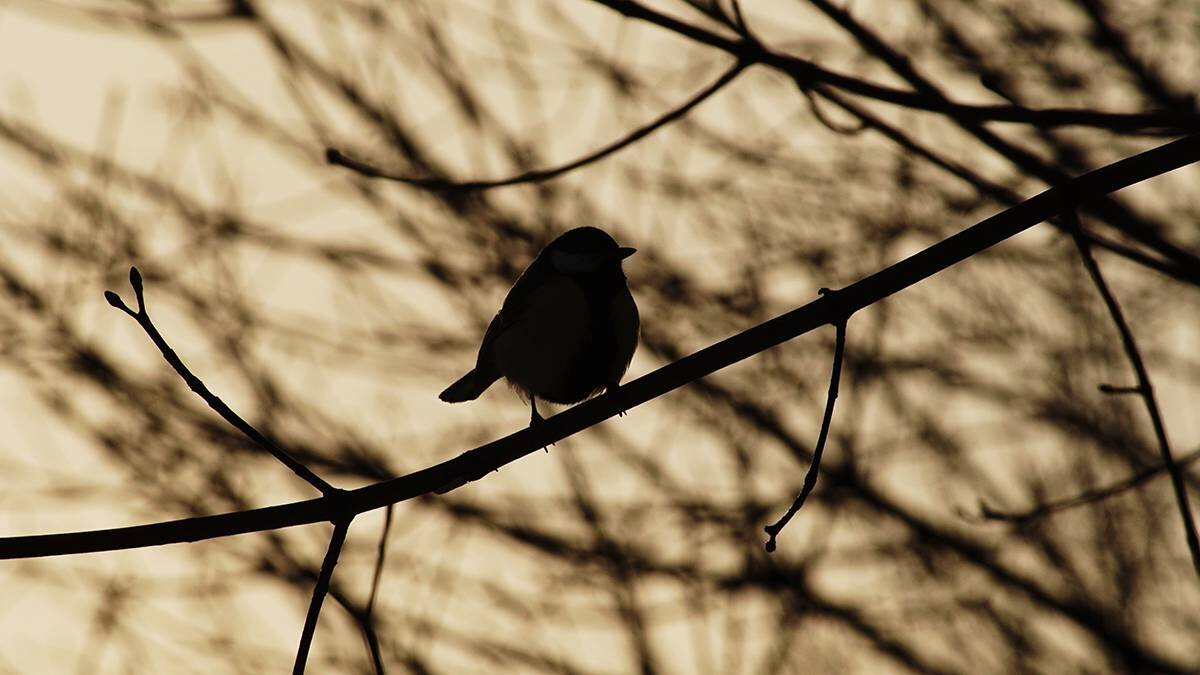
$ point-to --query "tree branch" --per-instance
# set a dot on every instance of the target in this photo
(319, 590)
(1145, 387)
(829, 309)
(810, 478)
(1023, 159)
(368, 624)
(1165, 121)
(142, 316)
(335, 156)
(1086, 497)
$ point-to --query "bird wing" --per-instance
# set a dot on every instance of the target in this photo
(510, 312)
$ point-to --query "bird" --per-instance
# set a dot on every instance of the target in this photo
(567, 330)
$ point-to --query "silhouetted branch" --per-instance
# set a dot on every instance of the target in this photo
(195, 384)
(1086, 497)
(1171, 268)
(335, 156)
(318, 597)
(1161, 121)
(473, 464)
(369, 619)
(1027, 161)
(1145, 387)
(810, 478)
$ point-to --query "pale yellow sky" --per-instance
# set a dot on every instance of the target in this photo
(118, 93)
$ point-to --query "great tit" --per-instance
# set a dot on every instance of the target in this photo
(567, 330)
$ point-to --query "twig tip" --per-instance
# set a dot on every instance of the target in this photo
(115, 300)
(770, 545)
(135, 280)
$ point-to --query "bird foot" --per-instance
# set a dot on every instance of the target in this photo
(536, 420)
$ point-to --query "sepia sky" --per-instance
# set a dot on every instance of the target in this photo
(329, 308)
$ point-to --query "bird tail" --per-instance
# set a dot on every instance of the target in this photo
(467, 388)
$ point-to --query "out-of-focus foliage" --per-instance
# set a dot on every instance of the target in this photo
(330, 309)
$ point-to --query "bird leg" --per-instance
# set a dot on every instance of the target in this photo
(536, 419)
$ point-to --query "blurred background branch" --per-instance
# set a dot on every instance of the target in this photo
(330, 308)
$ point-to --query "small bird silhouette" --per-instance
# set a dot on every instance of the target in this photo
(567, 330)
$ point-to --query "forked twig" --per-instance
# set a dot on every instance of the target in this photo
(195, 384)
(810, 478)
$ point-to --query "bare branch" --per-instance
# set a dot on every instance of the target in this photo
(1087, 497)
(334, 156)
(829, 309)
(1027, 161)
(1145, 387)
(810, 478)
(1171, 268)
(1160, 121)
(318, 597)
(369, 614)
(195, 384)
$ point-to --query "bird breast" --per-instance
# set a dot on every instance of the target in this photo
(540, 350)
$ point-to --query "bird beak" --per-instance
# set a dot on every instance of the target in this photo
(624, 252)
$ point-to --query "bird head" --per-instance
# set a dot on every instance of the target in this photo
(585, 251)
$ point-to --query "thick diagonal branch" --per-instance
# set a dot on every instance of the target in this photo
(828, 309)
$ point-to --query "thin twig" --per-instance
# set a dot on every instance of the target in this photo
(319, 590)
(335, 156)
(491, 456)
(810, 478)
(369, 614)
(1087, 497)
(195, 384)
(1145, 387)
